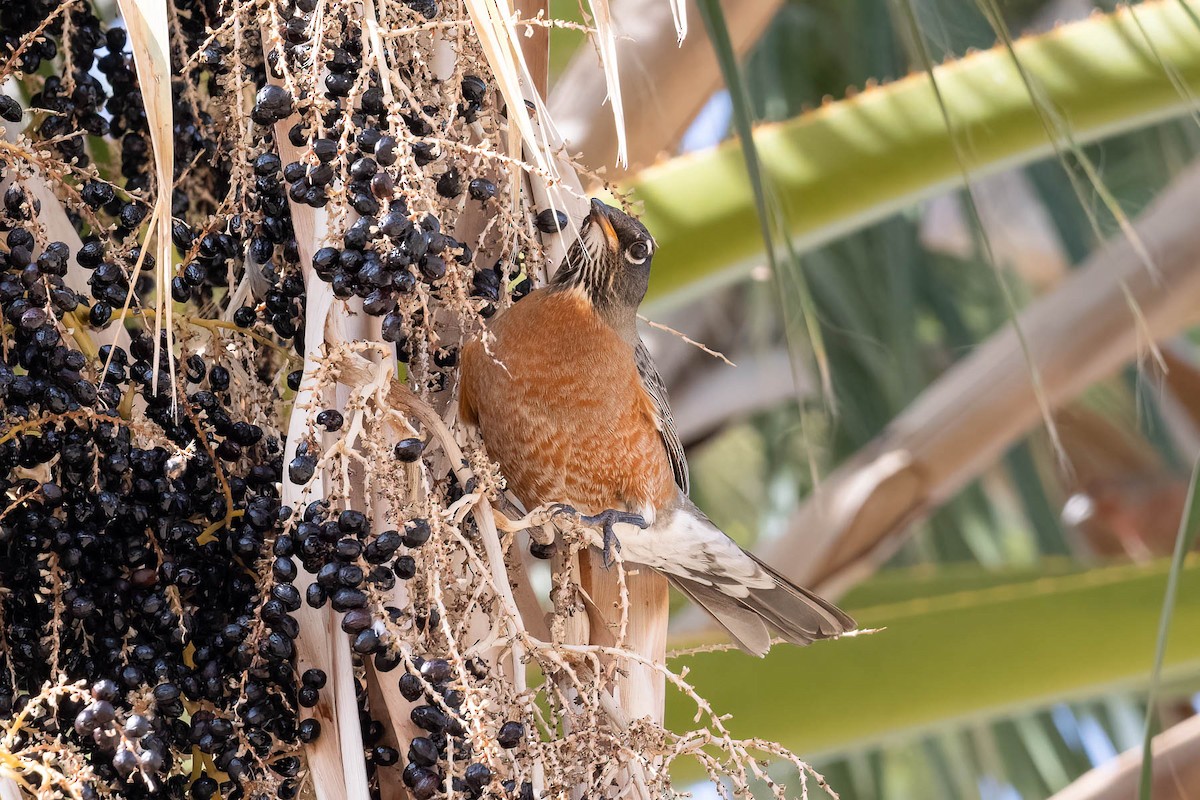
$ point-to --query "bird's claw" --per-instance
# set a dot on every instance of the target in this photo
(562, 508)
(605, 520)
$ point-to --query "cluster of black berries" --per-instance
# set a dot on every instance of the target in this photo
(140, 514)
(352, 565)
(60, 112)
(348, 560)
(109, 280)
(130, 561)
(387, 251)
(113, 108)
(267, 249)
(133, 744)
(80, 103)
(20, 19)
(379, 257)
(144, 548)
(431, 683)
(33, 295)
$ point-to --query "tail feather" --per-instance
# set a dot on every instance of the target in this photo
(741, 592)
(743, 624)
(796, 614)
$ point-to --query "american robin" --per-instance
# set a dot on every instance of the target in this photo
(569, 403)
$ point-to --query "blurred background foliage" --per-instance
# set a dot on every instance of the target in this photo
(1021, 613)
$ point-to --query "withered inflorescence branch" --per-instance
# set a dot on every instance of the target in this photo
(271, 564)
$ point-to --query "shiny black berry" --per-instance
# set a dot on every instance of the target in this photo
(551, 221)
(511, 734)
(271, 104)
(409, 450)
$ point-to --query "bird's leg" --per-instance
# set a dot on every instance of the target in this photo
(605, 520)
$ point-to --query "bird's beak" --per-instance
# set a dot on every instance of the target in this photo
(599, 217)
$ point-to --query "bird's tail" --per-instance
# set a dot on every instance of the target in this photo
(748, 598)
(796, 614)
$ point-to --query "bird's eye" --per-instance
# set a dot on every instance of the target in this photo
(638, 252)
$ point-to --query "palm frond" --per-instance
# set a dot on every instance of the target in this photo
(1189, 529)
(771, 216)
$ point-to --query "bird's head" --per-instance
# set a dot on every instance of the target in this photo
(610, 262)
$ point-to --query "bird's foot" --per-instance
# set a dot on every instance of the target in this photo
(605, 520)
(554, 509)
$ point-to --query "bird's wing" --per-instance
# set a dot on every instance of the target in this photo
(652, 382)
(743, 594)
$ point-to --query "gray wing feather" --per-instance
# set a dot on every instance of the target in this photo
(745, 595)
(743, 624)
(652, 382)
(798, 615)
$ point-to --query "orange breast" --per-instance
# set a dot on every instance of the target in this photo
(561, 407)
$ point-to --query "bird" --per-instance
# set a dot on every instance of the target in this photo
(570, 405)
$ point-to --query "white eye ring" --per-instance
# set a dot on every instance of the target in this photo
(638, 252)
